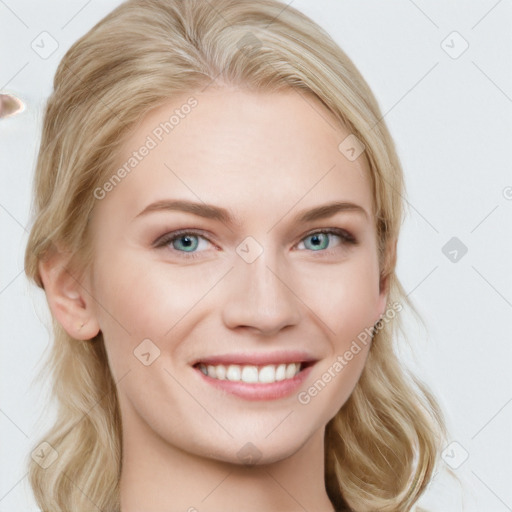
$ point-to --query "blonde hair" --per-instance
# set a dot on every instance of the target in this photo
(382, 445)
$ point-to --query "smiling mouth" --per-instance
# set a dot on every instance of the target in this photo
(253, 374)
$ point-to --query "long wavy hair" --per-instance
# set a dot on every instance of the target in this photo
(381, 447)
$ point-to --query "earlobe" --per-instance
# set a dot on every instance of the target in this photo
(69, 300)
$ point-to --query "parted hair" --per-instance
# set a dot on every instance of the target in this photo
(382, 446)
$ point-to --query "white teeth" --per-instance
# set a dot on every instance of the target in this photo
(211, 370)
(291, 370)
(250, 373)
(233, 372)
(267, 374)
(220, 372)
(281, 372)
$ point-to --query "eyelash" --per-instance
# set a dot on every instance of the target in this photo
(165, 240)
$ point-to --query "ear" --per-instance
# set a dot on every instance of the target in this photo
(387, 270)
(68, 296)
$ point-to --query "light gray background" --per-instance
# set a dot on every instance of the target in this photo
(451, 120)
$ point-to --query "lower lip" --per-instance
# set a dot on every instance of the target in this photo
(259, 391)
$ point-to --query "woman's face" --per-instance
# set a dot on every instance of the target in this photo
(244, 281)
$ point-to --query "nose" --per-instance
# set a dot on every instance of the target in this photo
(260, 296)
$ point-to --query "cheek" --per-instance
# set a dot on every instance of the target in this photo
(141, 298)
(344, 300)
(333, 382)
(347, 305)
(345, 297)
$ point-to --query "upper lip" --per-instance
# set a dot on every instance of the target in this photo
(258, 359)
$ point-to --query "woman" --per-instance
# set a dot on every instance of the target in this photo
(217, 207)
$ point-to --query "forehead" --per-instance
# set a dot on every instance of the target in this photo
(247, 148)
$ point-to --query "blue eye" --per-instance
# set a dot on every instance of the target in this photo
(182, 241)
(190, 243)
(319, 240)
(187, 242)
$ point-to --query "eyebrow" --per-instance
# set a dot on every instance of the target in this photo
(213, 212)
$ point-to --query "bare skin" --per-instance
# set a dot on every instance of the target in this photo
(265, 157)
